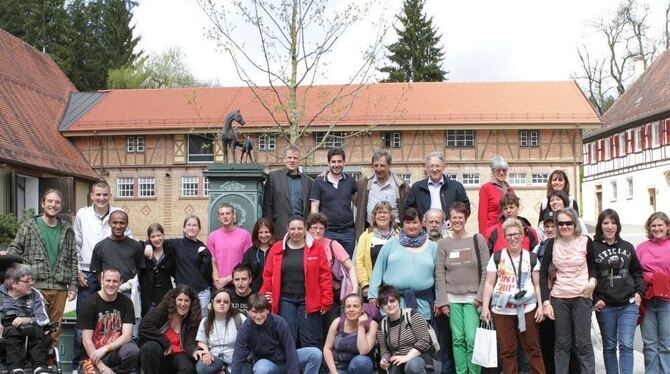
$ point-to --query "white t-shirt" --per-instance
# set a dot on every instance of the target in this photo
(221, 341)
(506, 282)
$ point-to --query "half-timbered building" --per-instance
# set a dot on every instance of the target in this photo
(153, 145)
(627, 161)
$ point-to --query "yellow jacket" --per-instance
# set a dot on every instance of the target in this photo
(363, 258)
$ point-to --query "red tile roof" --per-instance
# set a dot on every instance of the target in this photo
(643, 101)
(399, 104)
(33, 95)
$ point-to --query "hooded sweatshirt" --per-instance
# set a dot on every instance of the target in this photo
(618, 272)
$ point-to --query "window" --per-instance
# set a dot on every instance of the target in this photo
(334, 139)
(529, 138)
(407, 177)
(629, 142)
(189, 186)
(200, 148)
(638, 139)
(134, 144)
(539, 178)
(267, 142)
(392, 139)
(146, 186)
(614, 190)
(125, 187)
(205, 186)
(622, 145)
(453, 177)
(460, 138)
(607, 148)
(516, 178)
(629, 182)
(470, 178)
(654, 134)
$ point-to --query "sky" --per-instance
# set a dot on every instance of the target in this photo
(483, 40)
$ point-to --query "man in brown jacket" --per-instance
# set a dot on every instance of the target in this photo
(382, 185)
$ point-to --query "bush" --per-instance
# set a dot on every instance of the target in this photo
(9, 225)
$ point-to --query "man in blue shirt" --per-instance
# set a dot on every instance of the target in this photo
(332, 194)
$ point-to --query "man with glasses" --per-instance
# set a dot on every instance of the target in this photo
(24, 321)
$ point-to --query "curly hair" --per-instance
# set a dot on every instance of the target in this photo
(169, 303)
(211, 315)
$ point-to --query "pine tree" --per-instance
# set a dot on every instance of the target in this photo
(416, 56)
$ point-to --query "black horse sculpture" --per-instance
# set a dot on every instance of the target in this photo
(247, 147)
(229, 134)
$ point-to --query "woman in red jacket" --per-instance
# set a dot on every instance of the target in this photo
(298, 282)
(490, 194)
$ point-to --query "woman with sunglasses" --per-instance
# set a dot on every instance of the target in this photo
(654, 255)
(569, 303)
(618, 294)
(490, 194)
(262, 237)
(512, 298)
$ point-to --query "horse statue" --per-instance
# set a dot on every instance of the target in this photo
(247, 147)
(229, 134)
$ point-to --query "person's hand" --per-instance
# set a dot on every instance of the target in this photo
(268, 295)
(638, 299)
(104, 369)
(445, 310)
(167, 351)
(3, 253)
(485, 314)
(599, 305)
(83, 280)
(399, 360)
(362, 320)
(548, 311)
(587, 291)
(71, 295)
(384, 364)
(18, 321)
(207, 358)
(364, 292)
(148, 251)
(373, 302)
(477, 304)
(98, 354)
(539, 316)
(218, 283)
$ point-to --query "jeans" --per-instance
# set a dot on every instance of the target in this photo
(346, 237)
(573, 324)
(309, 360)
(360, 364)
(617, 326)
(464, 321)
(123, 360)
(416, 365)
(204, 296)
(216, 366)
(442, 327)
(83, 294)
(305, 327)
(656, 336)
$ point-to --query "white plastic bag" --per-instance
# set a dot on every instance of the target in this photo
(485, 351)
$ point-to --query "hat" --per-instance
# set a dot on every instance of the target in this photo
(547, 216)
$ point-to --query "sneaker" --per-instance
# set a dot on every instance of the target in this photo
(17, 371)
(42, 370)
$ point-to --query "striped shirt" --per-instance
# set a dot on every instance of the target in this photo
(401, 338)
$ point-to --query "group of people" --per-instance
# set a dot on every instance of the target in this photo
(401, 286)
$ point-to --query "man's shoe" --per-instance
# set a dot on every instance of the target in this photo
(42, 370)
(17, 371)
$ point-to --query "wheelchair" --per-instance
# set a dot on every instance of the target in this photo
(53, 357)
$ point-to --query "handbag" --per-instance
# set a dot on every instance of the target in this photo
(485, 350)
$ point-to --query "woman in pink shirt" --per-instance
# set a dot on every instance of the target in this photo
(570, 303)
(654, 257)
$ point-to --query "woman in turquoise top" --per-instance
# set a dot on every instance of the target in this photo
(408, 264)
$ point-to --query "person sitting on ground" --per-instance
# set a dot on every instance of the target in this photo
(267, 339)
(509, 206)
(106, 319)
(241, 290)
(23, 317)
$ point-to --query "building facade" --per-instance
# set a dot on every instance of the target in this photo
(153, 145)
(627, 162)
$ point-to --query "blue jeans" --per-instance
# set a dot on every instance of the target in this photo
(305, 328)
(442, 328)
(215, 367)
(308, 358)
(82, 294)
(204, 296)
(656, 336)
(360, 364)
(617, 326)
(345, 237)
(416, 365)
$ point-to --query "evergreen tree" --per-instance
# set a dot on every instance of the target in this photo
(416, 56)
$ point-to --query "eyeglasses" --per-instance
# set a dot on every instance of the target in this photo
(565, 223)
(29, 281)
(222, 301)
(513, 235)
(389, 301)
(502, 171)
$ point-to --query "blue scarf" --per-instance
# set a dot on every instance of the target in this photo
(406, 241)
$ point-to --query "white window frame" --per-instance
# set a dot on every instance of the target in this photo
(529, 138)
(125, 187)
(607, 148)
(267, 142)
(146, 187)
(539, 178)
(460, 138)
(615, 191)
(470, 179)
(655, 138)
(335, 139)
(622, 145)
(517, 178)
(189, 186)
(205, 186)
(134, 144)
(407, 177)
(638, 139)
(392, 139)
(630, 188)
(453, 177)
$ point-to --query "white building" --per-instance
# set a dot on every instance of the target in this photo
(627, 161)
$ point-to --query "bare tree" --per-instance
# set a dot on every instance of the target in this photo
(666, 33)
(595, 79)
(634, 16)
(293, 38)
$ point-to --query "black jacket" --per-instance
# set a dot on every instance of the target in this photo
(451, 192)
(157, 321)
(618, 272)
(156, 278)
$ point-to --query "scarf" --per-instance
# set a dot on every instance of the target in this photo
(406, 241)
(379, 235)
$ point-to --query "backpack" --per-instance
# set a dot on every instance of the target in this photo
(407, 320)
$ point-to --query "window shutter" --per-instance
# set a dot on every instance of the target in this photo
(615, 146)
(667, 131)
(643, 137)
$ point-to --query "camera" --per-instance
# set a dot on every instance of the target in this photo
(520, 294)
